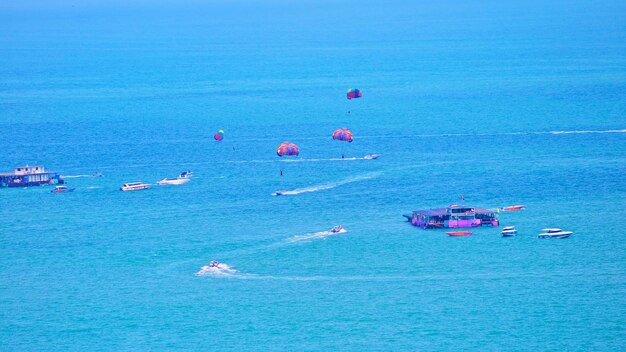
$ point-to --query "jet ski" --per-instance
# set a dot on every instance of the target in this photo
(337, 229)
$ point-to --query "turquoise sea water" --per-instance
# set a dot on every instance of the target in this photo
(505, 103)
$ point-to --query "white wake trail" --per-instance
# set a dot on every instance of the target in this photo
(329, 185)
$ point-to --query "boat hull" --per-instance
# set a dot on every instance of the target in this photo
(555, 235)
(459, 233)
(514, 208)
(62, 191)
(135, 188)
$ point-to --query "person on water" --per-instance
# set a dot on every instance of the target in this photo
(281, 172)
(342, 156)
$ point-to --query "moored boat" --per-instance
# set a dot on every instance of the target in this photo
(459, 233)
(508, 231)
(554, 233)
(28, 176)
(134, 186)
(454, 216)
(62, 189)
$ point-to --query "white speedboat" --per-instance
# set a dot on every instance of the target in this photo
(134, 186)
(554, 233)
(508, 231)
(371, 156)
(173, 181)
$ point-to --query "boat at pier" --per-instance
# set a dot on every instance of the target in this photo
(454, 216)
(29, 176)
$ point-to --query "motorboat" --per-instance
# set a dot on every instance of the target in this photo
(459, 233)
(134, 186)
(338, 229)
(371, 156)
(514, 208)
(508, 231)
(185, 174)
(279, 193)
(554, 233)
(62, 189)
(173, 181)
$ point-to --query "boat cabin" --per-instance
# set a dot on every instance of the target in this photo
(28, 175)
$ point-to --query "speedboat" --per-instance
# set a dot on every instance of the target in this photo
(173, 181)
(554, 233)
(509, 231)
(514, 208)
(459, 233)
(134, 186)
(338, 229)
(62, 189)
(371, 156)
(185, 174)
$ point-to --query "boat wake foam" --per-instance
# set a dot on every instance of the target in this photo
(313, 236)
(219, 270)
(586, 132)
(326, 186)
(494, 134)
(79, 176)
(313, 160)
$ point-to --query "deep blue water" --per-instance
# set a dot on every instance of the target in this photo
(503, 102)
